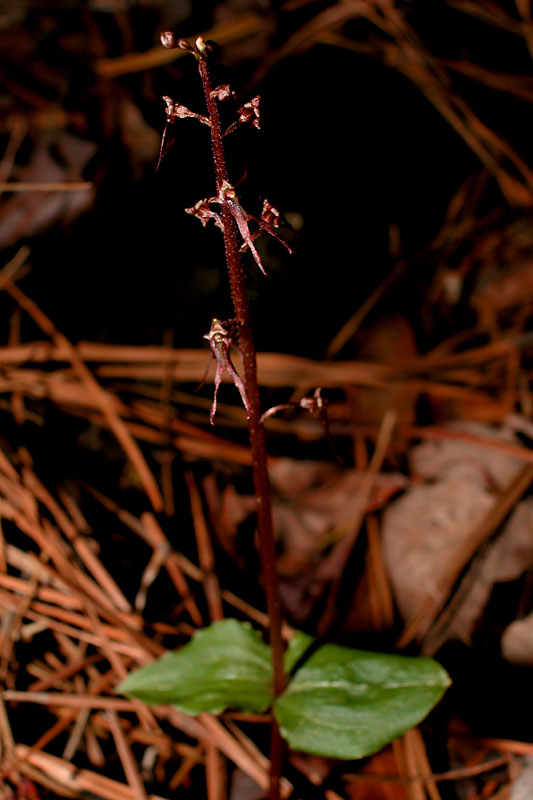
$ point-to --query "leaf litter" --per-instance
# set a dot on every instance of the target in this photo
(446, 519)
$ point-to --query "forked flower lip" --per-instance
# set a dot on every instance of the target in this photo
(220, 341)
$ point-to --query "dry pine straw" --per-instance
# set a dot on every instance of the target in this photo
(61, 590)
(68, 592)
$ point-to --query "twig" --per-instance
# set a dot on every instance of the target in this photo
(450, 775)
(100, 396)
(229, 31)
(66, 779)
(60, 186)
(332, 568)
(205, 551)
(128, 762)
(69, 700)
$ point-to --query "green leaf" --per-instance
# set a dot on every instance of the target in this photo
(298, 644)
(341, 703)
(226, 665)
(345, 703)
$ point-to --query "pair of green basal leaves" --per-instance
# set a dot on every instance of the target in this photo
(341, 703)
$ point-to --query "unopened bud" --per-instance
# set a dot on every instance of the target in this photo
(200, 45)
(183, 44)
(167, 40)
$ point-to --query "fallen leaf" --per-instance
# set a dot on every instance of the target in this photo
(517, 642)
(314, 504)
(243, 787)
(505, 560)
(141, 141)
(27, 214)
(382, 763)
(522, 787)
(425, 530)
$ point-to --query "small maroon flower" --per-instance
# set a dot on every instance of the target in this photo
(269, 220)
(176, 110)
(223, 92)
(228, 196)
(316, 404)
(220, 341)
(270, 215)
(203, 212)
(249, 113)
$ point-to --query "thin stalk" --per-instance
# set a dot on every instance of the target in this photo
(267, 546)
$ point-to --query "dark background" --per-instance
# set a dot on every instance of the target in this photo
(348, 145)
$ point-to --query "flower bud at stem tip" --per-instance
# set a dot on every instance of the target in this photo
(167, 40)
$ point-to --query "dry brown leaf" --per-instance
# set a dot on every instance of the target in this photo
(505, 560)
(513, 288)
(141, 141)
(517, 642)
(314, 504)
(227, 509)
(386, 764)
(522, 786)
(30, 213)
(243, 787)
(425, 531)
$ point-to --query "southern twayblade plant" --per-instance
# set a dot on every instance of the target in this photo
(225, 209)
(339, 702)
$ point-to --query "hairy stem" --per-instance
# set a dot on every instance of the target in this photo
(257, 437)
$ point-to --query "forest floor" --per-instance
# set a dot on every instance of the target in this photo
(127, 519)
